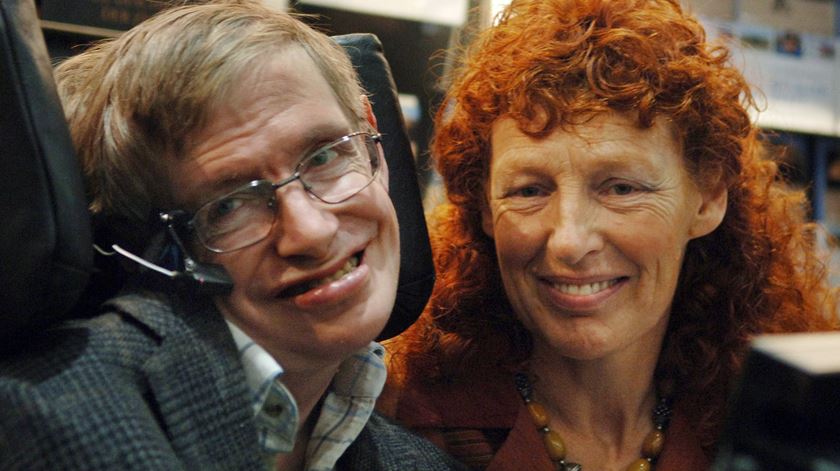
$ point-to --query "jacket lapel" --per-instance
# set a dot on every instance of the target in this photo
(197, 383)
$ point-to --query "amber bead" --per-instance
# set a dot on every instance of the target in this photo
(653, 444)
(538, 414)
(554, 445)
(640, 464)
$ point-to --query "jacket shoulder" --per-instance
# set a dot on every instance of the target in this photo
(109, 392)
(76, 388)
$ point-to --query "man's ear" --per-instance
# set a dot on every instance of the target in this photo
(711, 211)
(371, 119)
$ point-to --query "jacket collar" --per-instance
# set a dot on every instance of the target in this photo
(195, 378)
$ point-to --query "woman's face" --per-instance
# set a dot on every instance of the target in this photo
(590, 228)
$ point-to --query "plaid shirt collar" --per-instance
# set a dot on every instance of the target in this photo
(346, 408)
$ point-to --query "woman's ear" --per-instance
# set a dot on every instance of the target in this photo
(487, 220)
(711, 211)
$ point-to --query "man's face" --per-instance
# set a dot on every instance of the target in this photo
(322, 284)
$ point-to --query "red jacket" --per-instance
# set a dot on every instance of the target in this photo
(470, 420)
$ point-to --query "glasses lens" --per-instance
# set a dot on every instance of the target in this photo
(237, 219)
(341, 169)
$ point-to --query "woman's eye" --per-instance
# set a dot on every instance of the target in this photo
(527, 192)
(622, 189)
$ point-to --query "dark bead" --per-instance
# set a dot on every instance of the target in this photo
(523, 385)
(662, 414)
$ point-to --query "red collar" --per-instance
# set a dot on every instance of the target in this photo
(490, 402)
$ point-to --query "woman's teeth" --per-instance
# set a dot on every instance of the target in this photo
(584, 290)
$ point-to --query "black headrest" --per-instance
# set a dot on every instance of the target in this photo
(45, 238)
(417, 275)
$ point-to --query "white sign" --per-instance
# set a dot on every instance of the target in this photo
(447, 12)
(794, 75)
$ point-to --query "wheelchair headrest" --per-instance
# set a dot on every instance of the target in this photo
(417, 273)
(45, 237)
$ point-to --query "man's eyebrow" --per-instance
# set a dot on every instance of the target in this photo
(217, 188)
(309, 141)
(323, 134)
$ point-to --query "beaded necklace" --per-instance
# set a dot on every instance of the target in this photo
(651, 447)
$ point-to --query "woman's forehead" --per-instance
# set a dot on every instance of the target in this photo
(602, 130)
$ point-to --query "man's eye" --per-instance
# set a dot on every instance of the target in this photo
(323, 157)
(225, 207)
(231, 213)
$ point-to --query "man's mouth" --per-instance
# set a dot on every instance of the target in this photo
(305, 286)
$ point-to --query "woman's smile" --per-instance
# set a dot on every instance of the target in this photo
(581, 296)
(584, 289)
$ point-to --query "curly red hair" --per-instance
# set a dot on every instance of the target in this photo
(551, 64)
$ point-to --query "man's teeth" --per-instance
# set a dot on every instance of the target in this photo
(352, 263)
(301, 288)
(584, 290)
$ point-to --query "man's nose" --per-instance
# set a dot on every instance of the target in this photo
(305, 227)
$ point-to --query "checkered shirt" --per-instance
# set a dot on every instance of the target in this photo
(345, 411)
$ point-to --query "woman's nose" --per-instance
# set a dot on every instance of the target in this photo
(305, 227)
(573, 229)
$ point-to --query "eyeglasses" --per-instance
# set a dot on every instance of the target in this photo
(333, 174)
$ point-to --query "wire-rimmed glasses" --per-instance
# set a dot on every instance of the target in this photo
(332, 173)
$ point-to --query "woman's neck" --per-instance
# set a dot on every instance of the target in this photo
(602, 408)
(615, 384)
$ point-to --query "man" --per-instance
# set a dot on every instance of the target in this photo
(235, 136)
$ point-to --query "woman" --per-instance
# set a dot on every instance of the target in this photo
(250, 130)
(613, 238)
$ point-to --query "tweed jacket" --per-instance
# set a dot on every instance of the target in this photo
(154, 382)
(384, 446)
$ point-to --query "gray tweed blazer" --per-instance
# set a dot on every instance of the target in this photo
(154, 382)
(149, 384)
